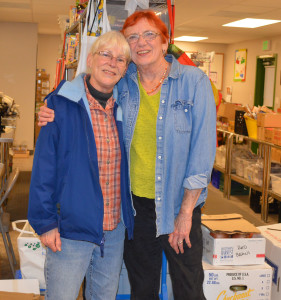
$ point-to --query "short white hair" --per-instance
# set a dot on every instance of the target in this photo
(112, 39)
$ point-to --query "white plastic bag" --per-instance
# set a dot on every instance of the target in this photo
(92, 24)
(31, 252)
(131, 5)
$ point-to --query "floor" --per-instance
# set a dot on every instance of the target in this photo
(17, 207)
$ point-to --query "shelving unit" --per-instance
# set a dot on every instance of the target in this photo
(265, 148)
(77, 27)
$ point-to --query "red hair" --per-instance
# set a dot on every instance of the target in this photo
(151, 17)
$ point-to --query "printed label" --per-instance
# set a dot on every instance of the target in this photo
(275, 270)
(226, 253)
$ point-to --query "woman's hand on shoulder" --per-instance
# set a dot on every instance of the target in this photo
(45, 115)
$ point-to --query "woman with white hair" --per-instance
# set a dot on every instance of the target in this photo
(79, 201)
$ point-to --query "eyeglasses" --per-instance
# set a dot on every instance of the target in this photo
(108, 57)
(147, 35)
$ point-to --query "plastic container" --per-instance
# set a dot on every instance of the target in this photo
(216, 178)
(258, 174)
(249, 171)
(246, 163)
(276, 183)
(239, 166)
(220, 156)
(252, 127)
(275, 168)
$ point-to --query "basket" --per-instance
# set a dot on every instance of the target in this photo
(240, 124)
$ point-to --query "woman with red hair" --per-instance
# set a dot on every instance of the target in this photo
(169, 122)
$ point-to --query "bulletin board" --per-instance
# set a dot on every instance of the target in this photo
(216, 70)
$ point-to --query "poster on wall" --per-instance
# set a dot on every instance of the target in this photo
(240, 65)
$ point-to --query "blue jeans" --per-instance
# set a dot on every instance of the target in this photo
(65, 270)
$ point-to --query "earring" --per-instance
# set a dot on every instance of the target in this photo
(164, 52)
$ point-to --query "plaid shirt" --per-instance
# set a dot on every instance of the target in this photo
(109, 158)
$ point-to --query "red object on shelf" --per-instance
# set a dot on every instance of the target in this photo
(58, 72)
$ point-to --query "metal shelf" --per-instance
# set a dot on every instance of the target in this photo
(246, 182)
(75, 26)
(274, 195)
(217, 167)
(264, 189)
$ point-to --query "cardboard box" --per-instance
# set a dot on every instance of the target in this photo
(275, 155)
(268, 134)
(237, 282)
(227, 110)
(20, 154)
(272, 234)
(231, 251)
(25, 286)
(261, 133)
(269, 120)
(277, 136)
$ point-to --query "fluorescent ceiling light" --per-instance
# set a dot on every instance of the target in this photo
(186, 38)
(251, 23)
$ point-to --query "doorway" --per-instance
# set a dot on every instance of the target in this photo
(265, 80)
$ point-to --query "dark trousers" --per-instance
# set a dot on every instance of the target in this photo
(143, 257)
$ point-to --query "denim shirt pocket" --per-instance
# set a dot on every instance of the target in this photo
(182, 115)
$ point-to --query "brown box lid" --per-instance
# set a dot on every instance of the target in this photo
(228, 223)
(17, 296)
(269, 120)
(227, 110)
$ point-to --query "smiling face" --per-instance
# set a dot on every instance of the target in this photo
(146, 53)
(105, 68)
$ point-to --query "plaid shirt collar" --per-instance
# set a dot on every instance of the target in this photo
(93, 103)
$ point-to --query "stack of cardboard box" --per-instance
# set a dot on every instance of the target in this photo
(272, 234)
(269, 129)
(234, 259)
(42, 90)
(226, 113)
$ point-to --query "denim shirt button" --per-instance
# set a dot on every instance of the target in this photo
(163, 101)
(159, 178)
(159, 157)
(160, 138)
(186, 110)
(158, 198)
(160, 118)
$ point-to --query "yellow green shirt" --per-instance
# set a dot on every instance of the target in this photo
(143, 148)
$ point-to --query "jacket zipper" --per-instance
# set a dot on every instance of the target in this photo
(92, 168)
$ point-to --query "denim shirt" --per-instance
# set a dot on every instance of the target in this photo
(185, 133)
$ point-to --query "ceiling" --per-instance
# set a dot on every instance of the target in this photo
(195, 18)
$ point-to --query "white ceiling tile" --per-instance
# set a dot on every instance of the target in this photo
(197, 17)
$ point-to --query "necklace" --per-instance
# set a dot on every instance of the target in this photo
(158, 84)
